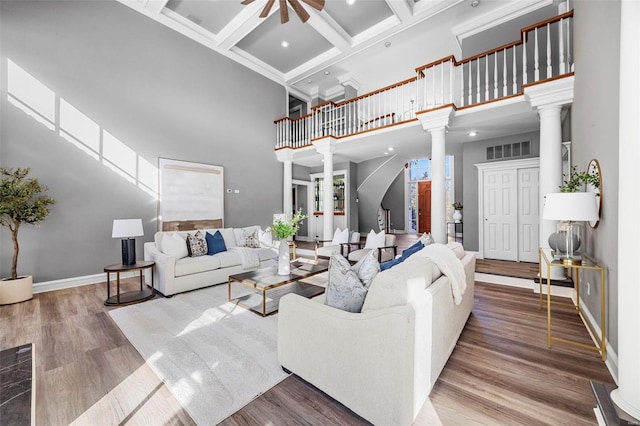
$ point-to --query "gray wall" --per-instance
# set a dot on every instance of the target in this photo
(394, 201)
(595, 130)
(475, 153)
(159, 93)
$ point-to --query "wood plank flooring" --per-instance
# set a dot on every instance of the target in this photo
(501, 372)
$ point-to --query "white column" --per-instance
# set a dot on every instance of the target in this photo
(286, 157)
(627, 396)
(549, 98)
(436, 123)
(438, 196)
(327, 147)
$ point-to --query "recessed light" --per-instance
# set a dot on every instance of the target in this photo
(284, 43)
(472, 133)
(327, 72)
(475, 3)
(390, 148)
(387, 44)
(309, 81)
(386, 153)
(351, 2)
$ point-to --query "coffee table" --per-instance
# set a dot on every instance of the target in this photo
(271, 287)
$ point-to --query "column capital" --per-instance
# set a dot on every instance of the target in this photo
(325, 145)
(284, 154)
(554, 93)
(436, 119)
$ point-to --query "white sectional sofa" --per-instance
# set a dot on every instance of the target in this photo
(382, 362)
(176, 274)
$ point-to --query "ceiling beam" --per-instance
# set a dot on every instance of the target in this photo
(328, 28)
(242, 24)
(156, 6)
(401, 9)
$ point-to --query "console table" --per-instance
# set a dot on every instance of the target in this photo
(586, 264)
(130, 296)
(458, 231)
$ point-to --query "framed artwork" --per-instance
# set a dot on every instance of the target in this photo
(190, 192)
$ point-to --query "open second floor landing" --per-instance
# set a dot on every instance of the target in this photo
(489, 96)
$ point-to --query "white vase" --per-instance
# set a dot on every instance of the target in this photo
(284, 264)
(457, 216)
(14, 291)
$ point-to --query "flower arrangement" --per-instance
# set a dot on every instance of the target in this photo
(577, 180)
(457, 205)
(283, 229)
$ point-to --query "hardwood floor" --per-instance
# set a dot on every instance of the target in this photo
(501, 372)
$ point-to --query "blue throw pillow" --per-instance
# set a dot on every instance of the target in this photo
(215, 243)
(404, 256)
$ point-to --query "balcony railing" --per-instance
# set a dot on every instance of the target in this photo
(544, 52)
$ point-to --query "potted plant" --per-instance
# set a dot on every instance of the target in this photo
(457, 212)
(283, 228)
(577, 180)
(23, 200)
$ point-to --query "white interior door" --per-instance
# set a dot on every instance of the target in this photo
(500, 214)
(528, 221)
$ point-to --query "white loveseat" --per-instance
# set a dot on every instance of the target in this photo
(383, 362)
(176, 274)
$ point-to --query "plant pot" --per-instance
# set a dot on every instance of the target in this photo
(457, 216)
(284, 260)
(14, 291)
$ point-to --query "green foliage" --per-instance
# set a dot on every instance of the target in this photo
(282, 230)
(576, 181)
(457, 205)
(23, 200)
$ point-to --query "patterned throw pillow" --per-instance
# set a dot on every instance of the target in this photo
(196, 244)
(344, 289)
(250, 238)
(367, 268)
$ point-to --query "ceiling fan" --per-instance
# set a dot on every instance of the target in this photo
(284, 12)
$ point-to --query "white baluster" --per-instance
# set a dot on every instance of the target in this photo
(470, 86)
(524, 60)
(452, 76)
(536, 57)
(514, 74)
(441, 83)
(549, 68)
(462, 84)
(486, 78)
(478, 81)
(504, 72)
(433, 87)
(563, 68)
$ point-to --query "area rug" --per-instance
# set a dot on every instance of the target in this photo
(215, 357)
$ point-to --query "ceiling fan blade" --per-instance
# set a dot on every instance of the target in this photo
(246, 2)
(267, 8)
(284, 12)
(316, 4)
(297, 7)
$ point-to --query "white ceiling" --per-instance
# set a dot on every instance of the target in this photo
(342, 42)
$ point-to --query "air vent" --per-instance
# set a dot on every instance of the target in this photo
(510, 150)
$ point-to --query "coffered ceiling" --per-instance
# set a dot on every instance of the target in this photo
(370, 43)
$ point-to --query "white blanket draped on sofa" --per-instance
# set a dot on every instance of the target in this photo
(450, 266)
(250, 258)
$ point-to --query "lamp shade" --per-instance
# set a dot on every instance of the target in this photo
(570, 206)
(127, 228)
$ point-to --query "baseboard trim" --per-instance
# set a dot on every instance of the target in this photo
(45, 286)
(612, 357)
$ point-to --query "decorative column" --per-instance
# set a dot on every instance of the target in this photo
(327, 147)
(436, 123)
(549, 98)
(627, 396)
(285, 156)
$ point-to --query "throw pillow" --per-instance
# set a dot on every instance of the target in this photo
(196, 244)
(374, 240)
(426, 239)
(265, 238)
(174, 245)
(340, 237)
(344, 289)
(250, 238)
(367, 268)
(404, 256)
(215, 243)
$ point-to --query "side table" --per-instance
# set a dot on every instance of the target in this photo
(129, 297)
(587, 263)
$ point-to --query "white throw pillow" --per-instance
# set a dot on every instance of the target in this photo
(340, 237)
(174, 245)
(374, 240)
(426, 239)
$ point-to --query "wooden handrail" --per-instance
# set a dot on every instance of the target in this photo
(434, 63)
(565, 15)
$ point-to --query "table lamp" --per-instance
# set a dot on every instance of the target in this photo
(127, 229)
(571, 209)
